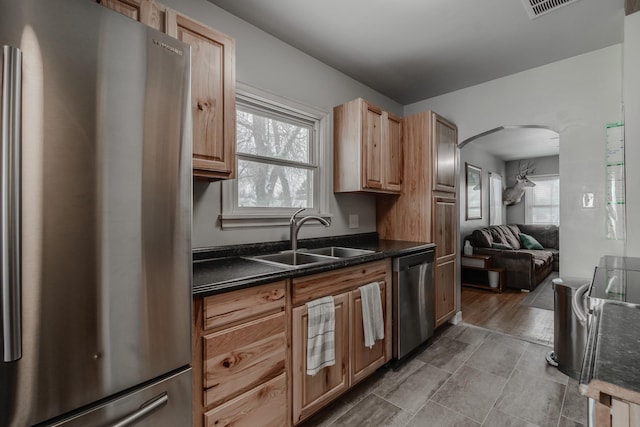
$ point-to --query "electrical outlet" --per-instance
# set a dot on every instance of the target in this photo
(353, 221)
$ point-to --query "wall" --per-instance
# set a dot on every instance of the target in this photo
(264, 62)
(575, 97)
(631, 96)
(549, 165)
(474, 154)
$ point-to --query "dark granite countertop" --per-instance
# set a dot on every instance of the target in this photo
(612, 355)
(224, 269)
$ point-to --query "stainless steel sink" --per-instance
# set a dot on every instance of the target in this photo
(339, 252)
(294, 259)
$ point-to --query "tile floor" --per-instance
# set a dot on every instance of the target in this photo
(466, 376)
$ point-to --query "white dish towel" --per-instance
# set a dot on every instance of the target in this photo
(320, 334)
(372, 318)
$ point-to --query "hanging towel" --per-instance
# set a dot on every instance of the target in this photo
(320, 334)
(372, 319)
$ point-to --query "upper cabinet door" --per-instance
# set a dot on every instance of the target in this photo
(372, 146)
(212, 96)
(445, 140)
(367, 151)
(393, 153)
(146, 11)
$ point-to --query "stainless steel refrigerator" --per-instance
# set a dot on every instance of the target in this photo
(96, 219)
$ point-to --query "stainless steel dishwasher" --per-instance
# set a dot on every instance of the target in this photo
(412, 301)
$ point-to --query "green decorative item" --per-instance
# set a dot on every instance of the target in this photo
(496, 245)
(529, 242)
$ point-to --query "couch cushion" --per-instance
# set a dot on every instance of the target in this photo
(503, 246)
(529, 242)
(540, 258)
(481, 238)
(506, 234)
(547, 235)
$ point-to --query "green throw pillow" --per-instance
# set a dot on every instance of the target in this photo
(496, 245)
(529, 242)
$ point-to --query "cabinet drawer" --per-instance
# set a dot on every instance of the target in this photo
(265, 406)
(231, 307)
(340, 280)
(241, 357)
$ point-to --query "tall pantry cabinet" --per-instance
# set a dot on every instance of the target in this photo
(426, 210)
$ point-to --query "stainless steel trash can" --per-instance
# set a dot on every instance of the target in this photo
(570, 329)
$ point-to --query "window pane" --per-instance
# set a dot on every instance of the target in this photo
(270, 137)
(543, 201)
(263, 185)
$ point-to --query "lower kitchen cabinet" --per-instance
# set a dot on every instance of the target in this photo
(261, 406)
(365, 360)
(239, 358)
(444, 233)
(354, 361)
(310, 393)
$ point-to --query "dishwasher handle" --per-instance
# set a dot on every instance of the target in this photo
(405, 262)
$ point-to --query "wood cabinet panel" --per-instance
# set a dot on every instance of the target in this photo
(263, 406)
(372, 148)
(365, 360)
(445, 140)
(146, 11)
(393, 153)
(367, 149)
(336, 281)
(445, 296)
(310, 393)
(212, 96)
(445, 227)
(426, 211)
(230, 307)
(408, 217)
(244, 347)
(240, 358)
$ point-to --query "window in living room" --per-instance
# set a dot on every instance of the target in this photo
(542, 202)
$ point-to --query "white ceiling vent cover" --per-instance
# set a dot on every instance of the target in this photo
(537, 8)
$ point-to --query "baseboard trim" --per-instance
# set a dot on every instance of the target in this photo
(457, 318)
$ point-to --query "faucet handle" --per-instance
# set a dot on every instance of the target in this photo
(293, 217)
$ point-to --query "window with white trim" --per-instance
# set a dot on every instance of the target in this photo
(280, 149)
(542, 202)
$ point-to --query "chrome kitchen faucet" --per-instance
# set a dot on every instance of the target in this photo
(294, 226)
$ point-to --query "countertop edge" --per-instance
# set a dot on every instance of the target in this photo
(204, 290)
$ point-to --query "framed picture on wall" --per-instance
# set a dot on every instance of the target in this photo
(473, 191)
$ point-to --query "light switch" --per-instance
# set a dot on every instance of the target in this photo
(353, 221)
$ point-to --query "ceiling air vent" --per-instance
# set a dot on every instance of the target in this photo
(536, 8)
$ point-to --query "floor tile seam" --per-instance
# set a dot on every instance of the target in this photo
(552, 381)
(452, 410)
(493, 405)
(564, 399)
(452, 373)
(537, 376)
(530, 341)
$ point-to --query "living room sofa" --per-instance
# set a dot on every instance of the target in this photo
(525, 268)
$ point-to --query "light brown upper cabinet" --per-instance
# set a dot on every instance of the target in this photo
(146, 11)
(445, 136)
(213, 84)
(213, 103)
(367, 149)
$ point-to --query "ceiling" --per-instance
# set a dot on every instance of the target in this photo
(517, 142)
(412, 50)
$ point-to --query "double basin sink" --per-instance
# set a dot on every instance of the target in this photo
(307, 257)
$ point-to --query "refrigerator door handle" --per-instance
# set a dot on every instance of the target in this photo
(10, 203)
(146, 409)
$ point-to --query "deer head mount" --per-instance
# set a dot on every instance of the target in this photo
(513, 195)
